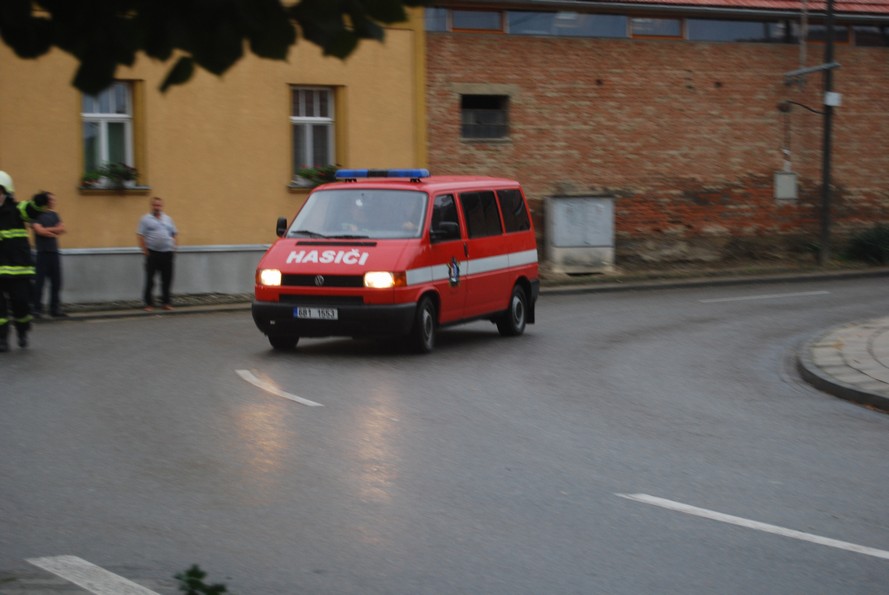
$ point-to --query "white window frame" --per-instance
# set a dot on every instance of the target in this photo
(115, 114)
(320, 94)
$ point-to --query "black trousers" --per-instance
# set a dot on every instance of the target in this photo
(158, 262)
(49, 268)
(15, 296)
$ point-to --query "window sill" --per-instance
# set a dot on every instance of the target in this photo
(108, 191)
(498, 140)
(298, 187)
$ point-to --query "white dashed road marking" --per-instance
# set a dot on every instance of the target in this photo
(270, 388)
(742, 522)
(89, 576)
(764, 297)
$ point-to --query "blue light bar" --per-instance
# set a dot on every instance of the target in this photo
(351, 174)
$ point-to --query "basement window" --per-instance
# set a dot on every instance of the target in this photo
(484, 116)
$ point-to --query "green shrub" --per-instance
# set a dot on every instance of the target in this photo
(191, 582)
(871, 245)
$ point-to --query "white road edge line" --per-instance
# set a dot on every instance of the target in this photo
(89, 576)
(269, 388)
(742, 522)
(764, 297)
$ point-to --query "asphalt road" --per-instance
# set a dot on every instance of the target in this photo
(656, 441)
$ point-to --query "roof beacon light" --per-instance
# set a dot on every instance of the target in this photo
(354, 174)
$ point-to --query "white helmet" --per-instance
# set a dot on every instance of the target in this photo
(6, 182)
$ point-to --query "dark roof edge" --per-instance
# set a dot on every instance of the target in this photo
(713, 11)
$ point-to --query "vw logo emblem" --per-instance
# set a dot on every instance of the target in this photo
(319, 280)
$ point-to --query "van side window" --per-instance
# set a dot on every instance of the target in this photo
(515, 215)
(444, 210)
(482, 216)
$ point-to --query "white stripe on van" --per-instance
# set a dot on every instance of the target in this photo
(439, 272)
(520, 258)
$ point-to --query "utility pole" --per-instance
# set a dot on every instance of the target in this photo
(829, 102)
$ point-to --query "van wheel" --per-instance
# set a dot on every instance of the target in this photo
(283, 342)
(423, 332)
(512, 322)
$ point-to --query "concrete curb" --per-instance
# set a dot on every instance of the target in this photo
(843, 380)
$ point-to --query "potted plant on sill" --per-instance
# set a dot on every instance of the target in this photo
(310, 177)
(91, 179)
(119, 175)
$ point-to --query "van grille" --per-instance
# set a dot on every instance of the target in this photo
(322, 281)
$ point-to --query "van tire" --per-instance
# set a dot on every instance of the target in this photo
(512, 322)
(283, 342)
(422, 336)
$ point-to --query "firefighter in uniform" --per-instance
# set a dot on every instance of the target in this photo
(16, 266)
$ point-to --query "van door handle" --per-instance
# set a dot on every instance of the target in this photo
(466, 250)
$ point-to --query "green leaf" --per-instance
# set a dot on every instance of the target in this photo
(28, 36)
(385, 11)
(341, 44)
(179, 74)
(269, 29)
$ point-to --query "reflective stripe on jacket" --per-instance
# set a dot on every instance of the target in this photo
(15, 249)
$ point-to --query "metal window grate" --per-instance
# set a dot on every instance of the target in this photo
(484, 123)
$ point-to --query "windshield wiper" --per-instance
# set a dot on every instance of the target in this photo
(350, 236)
(311, 234)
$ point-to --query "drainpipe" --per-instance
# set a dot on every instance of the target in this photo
(829, 101)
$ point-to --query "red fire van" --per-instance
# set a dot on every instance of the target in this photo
(399, 253)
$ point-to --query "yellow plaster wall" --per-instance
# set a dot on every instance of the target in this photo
(217, 149)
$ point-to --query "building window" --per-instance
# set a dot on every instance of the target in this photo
(108, 127)
(818, 33)
(646, 27)
(740, 31)
(876, 36)
(566, 24)
(484, 116)
(476, 20)
(312, 120)
(436, 19)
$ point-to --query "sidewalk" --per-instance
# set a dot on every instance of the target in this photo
(850, 361)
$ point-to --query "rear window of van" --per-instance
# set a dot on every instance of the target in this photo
(515, 215)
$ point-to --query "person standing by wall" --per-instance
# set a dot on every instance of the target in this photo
(157, 238)
(47, 228)
(16, 265)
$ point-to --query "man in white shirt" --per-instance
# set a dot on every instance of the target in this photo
(157, 238)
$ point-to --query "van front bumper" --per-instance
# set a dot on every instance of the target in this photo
(274, 318)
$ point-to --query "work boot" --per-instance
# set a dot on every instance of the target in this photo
(21, 329)
(4, 341)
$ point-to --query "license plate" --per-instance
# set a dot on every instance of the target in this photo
(316, 313)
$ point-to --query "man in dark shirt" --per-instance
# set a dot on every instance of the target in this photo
(47, 228)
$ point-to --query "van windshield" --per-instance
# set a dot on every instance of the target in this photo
(361, 213)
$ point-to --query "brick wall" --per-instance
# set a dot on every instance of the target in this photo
(685, 136)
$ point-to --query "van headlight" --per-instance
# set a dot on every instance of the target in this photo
(384, 279)
(269, 277)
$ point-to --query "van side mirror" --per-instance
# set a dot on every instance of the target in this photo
(281, 227)
(445, 230)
